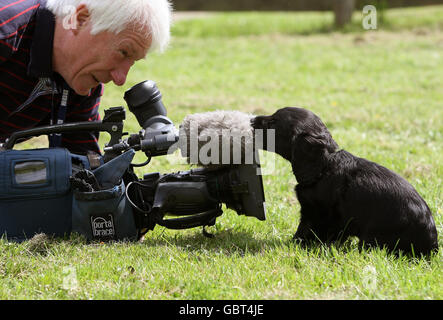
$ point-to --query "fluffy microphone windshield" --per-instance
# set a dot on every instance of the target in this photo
(218, 138)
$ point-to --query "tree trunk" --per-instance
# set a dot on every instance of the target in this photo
(343, 10)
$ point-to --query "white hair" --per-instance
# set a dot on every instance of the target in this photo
(152, 16)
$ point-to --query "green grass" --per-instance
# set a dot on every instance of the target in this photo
(379, 92)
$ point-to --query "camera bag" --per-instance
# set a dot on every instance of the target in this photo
(37, 196)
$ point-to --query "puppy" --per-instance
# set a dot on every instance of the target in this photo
(342, 195)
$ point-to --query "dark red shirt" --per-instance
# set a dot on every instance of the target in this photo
(30, 91)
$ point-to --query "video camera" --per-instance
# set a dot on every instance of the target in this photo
(107, 198)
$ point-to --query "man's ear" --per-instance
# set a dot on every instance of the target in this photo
(82, 17)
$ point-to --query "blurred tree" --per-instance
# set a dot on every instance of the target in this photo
(343, 10)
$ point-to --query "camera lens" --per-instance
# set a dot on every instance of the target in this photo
(145, 101)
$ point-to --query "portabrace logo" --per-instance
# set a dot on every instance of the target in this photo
(103, 227)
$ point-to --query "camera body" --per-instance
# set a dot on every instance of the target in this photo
(107, 200)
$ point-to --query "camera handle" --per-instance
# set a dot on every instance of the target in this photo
(112, 123)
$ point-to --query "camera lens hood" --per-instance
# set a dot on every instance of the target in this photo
(144, 101)
(143, 93)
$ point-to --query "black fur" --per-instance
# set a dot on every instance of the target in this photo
(342, 195)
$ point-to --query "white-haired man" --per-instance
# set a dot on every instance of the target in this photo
(55, 56)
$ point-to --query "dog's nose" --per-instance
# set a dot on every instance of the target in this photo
(259, 122)
(254, 122)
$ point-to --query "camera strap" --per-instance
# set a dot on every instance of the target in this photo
(204, 220)
(197, 220)
(55, 140)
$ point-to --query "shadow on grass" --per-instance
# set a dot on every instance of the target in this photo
(242, 243)
(225, 241)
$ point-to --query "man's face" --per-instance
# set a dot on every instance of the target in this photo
(103, 57)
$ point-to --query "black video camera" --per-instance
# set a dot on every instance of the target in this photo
(195, 195)
(180, 200)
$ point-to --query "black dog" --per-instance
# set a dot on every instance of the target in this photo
(342, 195)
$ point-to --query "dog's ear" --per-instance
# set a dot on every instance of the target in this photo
(322, 140)
(314, 141)
(308, 156)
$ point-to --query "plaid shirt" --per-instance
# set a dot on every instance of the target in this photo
(30, 91)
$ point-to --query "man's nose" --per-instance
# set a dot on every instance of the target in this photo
(120, 73)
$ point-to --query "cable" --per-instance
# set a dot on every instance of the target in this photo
(133, 204)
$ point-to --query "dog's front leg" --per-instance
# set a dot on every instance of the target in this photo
(302, 232)
(308, 232)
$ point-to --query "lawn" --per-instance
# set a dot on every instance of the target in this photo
(380, 94)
